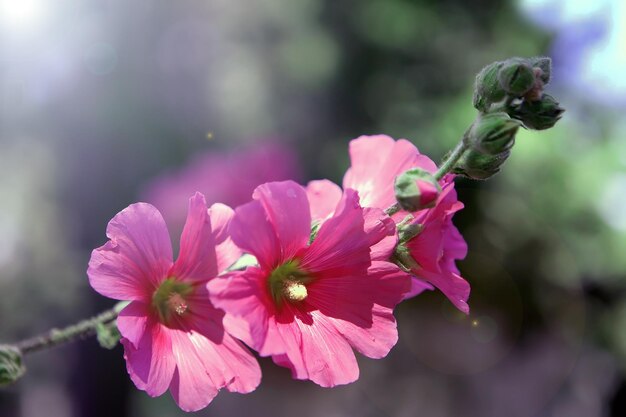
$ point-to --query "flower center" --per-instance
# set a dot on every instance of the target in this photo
(294, 290)
(169, 299)
(288, 282)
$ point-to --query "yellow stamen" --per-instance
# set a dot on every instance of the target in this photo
(294, 290)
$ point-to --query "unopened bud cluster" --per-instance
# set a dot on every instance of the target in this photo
(11, 367)
(509, 95)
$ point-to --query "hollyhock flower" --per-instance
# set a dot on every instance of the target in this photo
(227, 177)
(375, 163)
(308, 304)
(173, 337)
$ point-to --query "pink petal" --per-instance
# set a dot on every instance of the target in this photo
(207, 358)
(243, 296)
(227, 252)
(132, 322)
(324, 357)
(427, 247)
(137, 257)
(324, 195)
(192, 386)
(451, 284)
(418, 286)
(253, 233)
(352, 297)
(196, 260)
(287, 209)
(376, 221)
(360, 307)
(375, 162)
(343, 243)
(151, 365)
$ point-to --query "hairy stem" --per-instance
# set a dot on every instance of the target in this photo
(448, 164)
(80, 330)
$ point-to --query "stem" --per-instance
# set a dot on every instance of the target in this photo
(56, 337)
(453, 157)
(393, 209)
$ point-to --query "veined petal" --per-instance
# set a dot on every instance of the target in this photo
(226, 251)
(377, 223)
(287, 209)
(324, 195)
(252, 231)
(137, 256)
(325, 356)
(196, 261)
(193, 388)
(343, 244)
(451, 284)
(132, 322)
(375, 163)
(151, 365)
(243, 296)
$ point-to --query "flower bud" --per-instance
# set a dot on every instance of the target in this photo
(544, 65)
(493, 133)
(11, 367)
(539, 115)
(478, 165)
(516, 77)
(487, 89)
(108, 335)
(416, 189)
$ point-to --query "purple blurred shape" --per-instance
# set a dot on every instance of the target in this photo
(227, 177)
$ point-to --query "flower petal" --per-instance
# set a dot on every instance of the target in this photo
(251, 231)
(324, 356)
(377, 222)
(137, 256)
(324, 195)
(193, 388)
(151, 365)
(343, 242)
(375, 163)
(451, 284)
(196, 261)
(242, 295)
(132, 322)
(226, 251)
(418, 286)
(287, 209)
(361, 307)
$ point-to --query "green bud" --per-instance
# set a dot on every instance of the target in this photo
(11, 367)
(108, 334)
(416, 189)
(403, 258)
(480, 166)
(493, 133)
(516, 77)
(544, 64)
(540, 114)
(487, 89)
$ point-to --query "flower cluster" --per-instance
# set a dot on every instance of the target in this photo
(331, 265)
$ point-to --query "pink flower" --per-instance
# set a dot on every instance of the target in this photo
(173, 337)
(227, 177)
(307, 305)
(375, 162)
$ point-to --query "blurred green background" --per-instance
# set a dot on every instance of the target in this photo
(104, 103)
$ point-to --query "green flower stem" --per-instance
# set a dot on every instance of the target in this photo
(448, 164)
(80, 330)
(393, 209)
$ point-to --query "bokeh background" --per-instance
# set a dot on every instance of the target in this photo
(104, 103)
